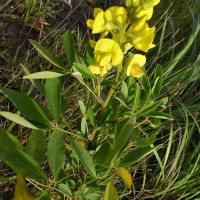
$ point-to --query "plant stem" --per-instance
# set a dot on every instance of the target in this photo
(92, 135)
(113, 87)
(105, 103)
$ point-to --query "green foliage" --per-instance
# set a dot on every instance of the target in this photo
(18, 119)
(83, 69)
(43, 75)
(150, 125)
(47, 55)
(133, 156)
(46, 195)
(36, 147)
(27, 106)
(53, 94)
(84, 157)
(56, 152)
(17, 159)
(69, 46)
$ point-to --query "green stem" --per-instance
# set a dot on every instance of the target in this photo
(70, 133)
(92, 135)
(113, 87)
(105, 103)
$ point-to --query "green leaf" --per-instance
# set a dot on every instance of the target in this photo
(84, 70)
(65, 189)
(82, 107)
(91, 116)
(158, 81)
(90, 54)
(84, 157)
(145, 81)
(36, 145)
(53, 95)
(136, 99)
(120, 141)
(145, 142)
(43, 75)
(111, 192)
(102, 153)
(18, 119)
(46, 195)
(93, 196)
(37, 83)
(21, 162)
(124, 135)
(68, 41)
(145, 97)
(47, 55)
(124, 89)
(56, 152)
(134, 156)
(160, 115)
(147, 109)
(27, 106)
(164, 101)
(10, 140)
(83, 124)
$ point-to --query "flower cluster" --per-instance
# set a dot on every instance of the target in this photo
(120, 30)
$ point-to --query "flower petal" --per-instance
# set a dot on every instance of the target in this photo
(127, 47)
(117, 54)
(99, 23)
(90, 23)
(133, 65)
(156, 2)
(104, 45)
(116, 14)
(95, 69)
(146, 43)
(147, 4)
(138, 60)
(138, 24)
(148, 12)
(136, 72)
(97, 11)
(103, 71)
(105, 59)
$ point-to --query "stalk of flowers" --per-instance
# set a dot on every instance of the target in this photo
(122, 29)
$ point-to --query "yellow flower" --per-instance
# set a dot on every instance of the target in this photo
(117, 15)
(133, 3)
(101, 70)
(97, 25)
(134, 65)
(113, 18)
(107, 53)
(139, 8)
(146, 4)
(138, 23)
(143, 12)
(147, 37)
(142, 39)
(156, 2)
